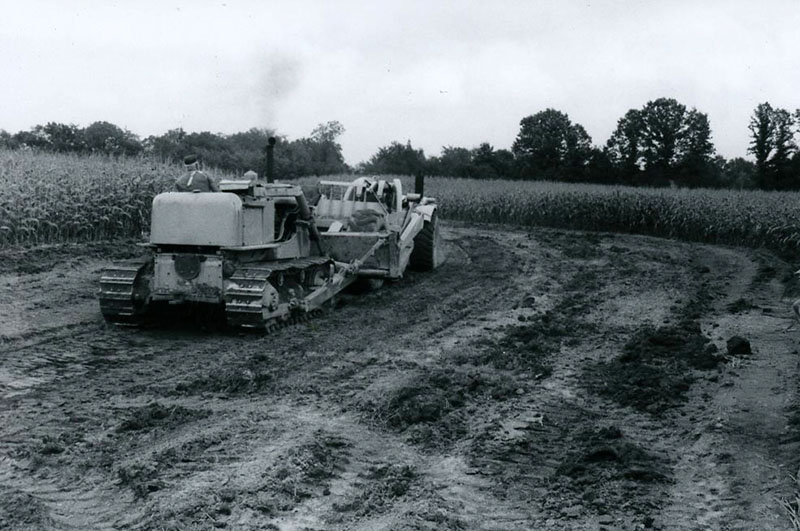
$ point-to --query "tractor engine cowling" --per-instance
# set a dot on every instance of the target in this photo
(211, 219)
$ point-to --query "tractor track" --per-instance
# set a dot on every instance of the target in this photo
(467, 398)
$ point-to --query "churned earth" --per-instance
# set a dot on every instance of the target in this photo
(540, 379)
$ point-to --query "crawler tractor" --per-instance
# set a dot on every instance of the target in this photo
(270, 254)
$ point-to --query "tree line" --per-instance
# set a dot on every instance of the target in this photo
(662, 143)
(317, 154)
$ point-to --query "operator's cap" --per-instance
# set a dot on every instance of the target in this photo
(190, 159)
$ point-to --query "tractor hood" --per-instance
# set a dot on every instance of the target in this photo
(204, 219)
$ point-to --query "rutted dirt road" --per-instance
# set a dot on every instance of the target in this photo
(538, 380)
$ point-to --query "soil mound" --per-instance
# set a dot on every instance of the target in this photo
(430, 408)
(605, 454)
(526, 347)
(607, 470)
(655, 369)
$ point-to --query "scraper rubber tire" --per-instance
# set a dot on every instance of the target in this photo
(425, 255)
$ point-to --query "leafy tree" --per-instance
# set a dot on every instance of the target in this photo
(762, 139)
(327, 132)
(482, 162)
(738, 173)
(549, 145)
(35, 138)
(696, 165)
(213, 149)
(319, 154)
(105, 137)
(504, 164)
(453, 162)
(483, 155)
(398, 159)
(293, 158)
(65, 137)
(772, 143)
(601, 170)
(167, 146)
(490, 163)
(663, 126)
(249, 149)
(662, 142)
(695, 145)
(326, 152)
(785, 150)
(6, 140)
(624, 148)
(299, 158)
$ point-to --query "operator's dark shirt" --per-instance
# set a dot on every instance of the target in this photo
(196, 181)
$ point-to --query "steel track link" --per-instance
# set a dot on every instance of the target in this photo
(118, 296)
(244, 299)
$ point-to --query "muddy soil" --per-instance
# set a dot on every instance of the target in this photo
(538, 380)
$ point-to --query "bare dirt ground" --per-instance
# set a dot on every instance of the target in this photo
(539, 380)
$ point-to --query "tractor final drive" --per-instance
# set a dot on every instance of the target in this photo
(270, 253)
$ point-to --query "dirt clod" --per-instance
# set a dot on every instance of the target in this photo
(738, 346)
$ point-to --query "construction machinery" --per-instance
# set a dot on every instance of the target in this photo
(269, 253)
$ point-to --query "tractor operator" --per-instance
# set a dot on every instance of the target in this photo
(195, 180)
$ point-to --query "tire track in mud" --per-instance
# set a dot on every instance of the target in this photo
(179, 429)
(732, 472)
(57, 504)
(67, 352)
(477, 292)
(93, 365)
(522, 446)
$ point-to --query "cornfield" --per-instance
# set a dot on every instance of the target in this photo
(748, 218)
(735, 217)
(50, 198)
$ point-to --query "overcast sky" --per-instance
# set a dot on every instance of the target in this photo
(437, 73)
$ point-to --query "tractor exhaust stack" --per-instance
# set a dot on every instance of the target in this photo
(419, 184)
(271, 159)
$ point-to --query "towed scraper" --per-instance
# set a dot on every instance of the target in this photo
(272, 253)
